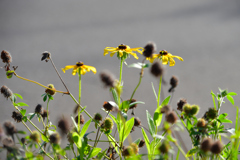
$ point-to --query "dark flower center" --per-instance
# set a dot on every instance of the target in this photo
(79, 63)
(122, 47)
(163, 52)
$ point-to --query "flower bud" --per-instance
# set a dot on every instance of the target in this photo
(201, 123)
(171, 117)
(39, 109)
(35, 136)
(137, 121)
(55, 138)
(195, 110)
(107, 124)
(212, 113)
(141, 143)
(46, 56)
(98, 117)
(50, 91)
(180, 104)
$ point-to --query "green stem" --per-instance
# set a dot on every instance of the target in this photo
(120, 79)
(47, 112)
(159, 91)
(181, 150)
(79, 100)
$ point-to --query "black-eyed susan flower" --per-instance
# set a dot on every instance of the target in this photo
(80, 65)
(167, 58)
(123, 51)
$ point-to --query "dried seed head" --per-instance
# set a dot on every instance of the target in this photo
(107, 78)
(141, 143)
(7, 142)
(39, 109)
(9, 128)
(55, 138)
(81, 119)
(17, 116)
(217, 147)
(107, 124)
(64, 125)
(206, 144)
(201, 123)
(6, 57)
(6, 91)
(44, 114)
(157, 69)
(137, 121)
(166, 109)
(46, 56)
(149, 49)
(212, 113)
(69, 137)
(180, 104)
(164, 147)
(107, 106)
(127, 151)
(98, 117)
(171, 117)
(173, 83)
(51, 91)
(133, 106)
(35, 136)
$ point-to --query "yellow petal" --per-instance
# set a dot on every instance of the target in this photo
(139, 49)
(164, 60)
(83, 71)
(74, 71)
(172, 62)
(68, 67)
(180, 58)
(112, 53)
(120, 53)
(134, 55)
(90, 68)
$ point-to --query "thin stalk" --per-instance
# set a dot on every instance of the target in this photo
(39, 84)
(79, 100)
(159, 91)
(120, 79)
(47, 112)
(181, 150)
(139, 82)
(73, 150)
(58, 74)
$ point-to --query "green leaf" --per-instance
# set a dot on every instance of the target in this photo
(230, 98)
(138, 65)
(124, 106)
(100, 155)
(137, 102)
(24, 118)
(18, 95)
(32, 116)
(20, 104)
(75, 124)
(232, 93)
(157, 117)
(137, 141)
(116, 121)
(151, 124)
(94, 152)
(21, 132)
(146, 140)
(13, 97)
(191, 152)
(45, 98)
(44, 138)
(77, 140)
(23, 112)
(154, 92)
(126, 129)
(222, 118)
(165, 101)
(115, 95)
(50, 97)
(84, 128)
(9, 74)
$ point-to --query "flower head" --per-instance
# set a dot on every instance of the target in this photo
(80, 65)
(165, 57)
(123, 51)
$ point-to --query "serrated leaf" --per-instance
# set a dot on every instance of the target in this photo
(20, 104)
(230, 99)
(23, 112)
(151, 124)
(18, 95)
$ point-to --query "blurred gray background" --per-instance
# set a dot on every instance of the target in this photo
(204, 33)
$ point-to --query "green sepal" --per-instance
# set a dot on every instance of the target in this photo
(9, 74)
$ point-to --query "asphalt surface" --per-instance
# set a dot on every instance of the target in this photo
(204, 33)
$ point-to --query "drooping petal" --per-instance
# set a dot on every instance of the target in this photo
(180, 58)
(108, 49)
(164, 60)
(68, 67)
(90, 68)
(154, 56)
(171, 61)
(75, 69)
(139, 49)
(134, 55)
(83, 71)
(120, 53)
(112, 53)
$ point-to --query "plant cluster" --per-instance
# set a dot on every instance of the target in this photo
(161, 137)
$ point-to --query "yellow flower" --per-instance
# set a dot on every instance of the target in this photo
(165, 57)
(123, 50)
(80, 65)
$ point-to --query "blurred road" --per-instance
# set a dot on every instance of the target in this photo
(206, 34)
